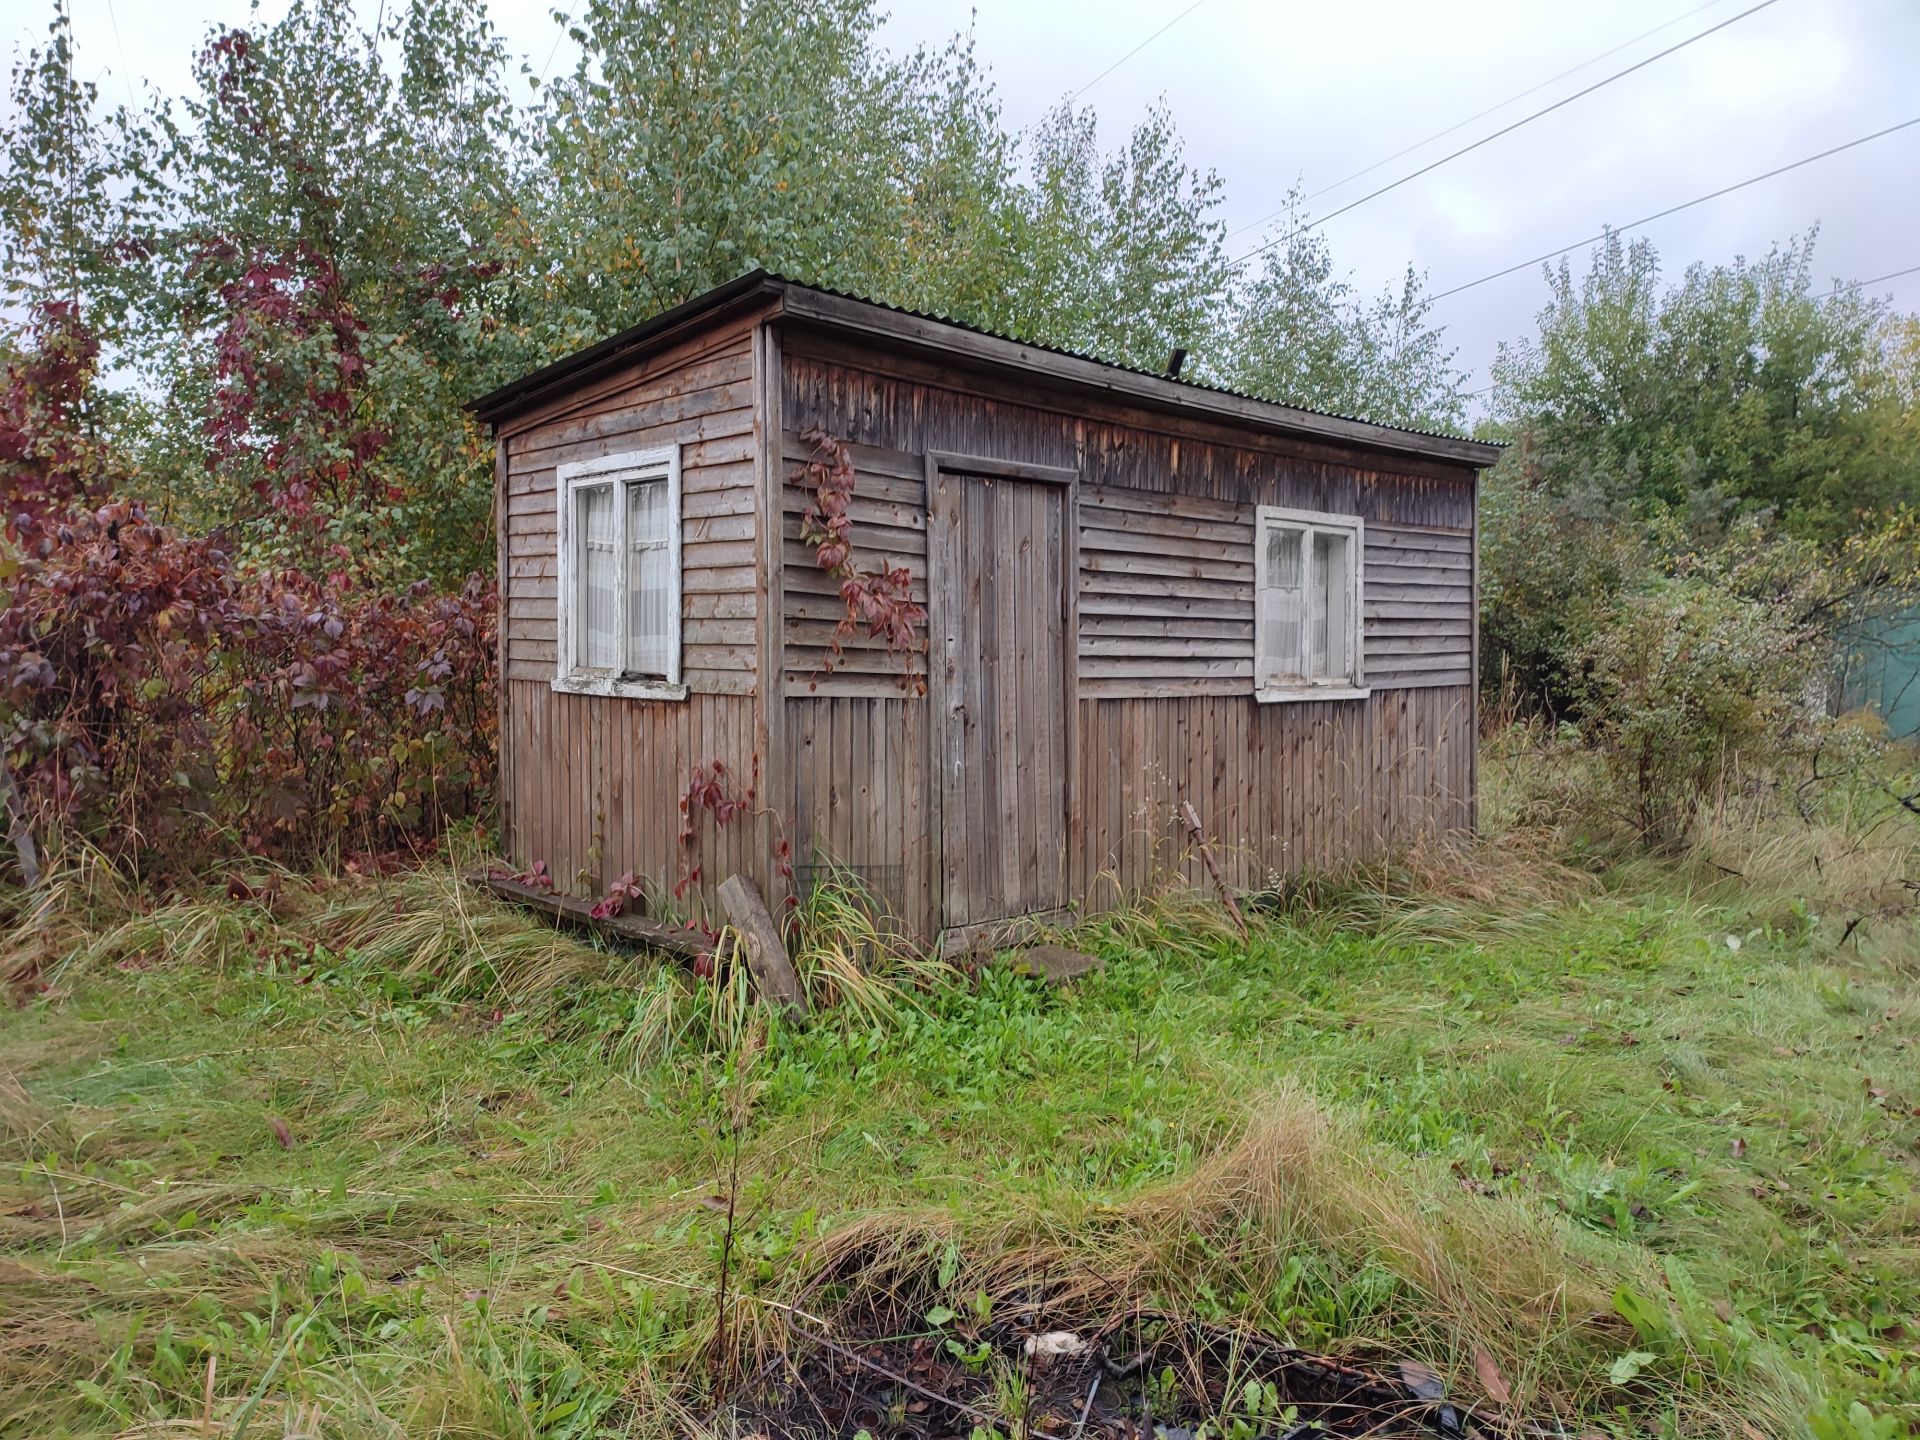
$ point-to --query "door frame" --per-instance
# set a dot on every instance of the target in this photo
(941, 463)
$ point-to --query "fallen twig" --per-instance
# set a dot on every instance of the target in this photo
(1080, 1425)
(1192, 818)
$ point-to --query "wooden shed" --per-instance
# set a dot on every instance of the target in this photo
(1137, 591)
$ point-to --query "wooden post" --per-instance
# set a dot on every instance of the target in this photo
(1188, 814)
(767, 959)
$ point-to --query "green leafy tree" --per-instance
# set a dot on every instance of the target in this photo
(297, 272)
(1741, 388)
(1303, 335)
(1685, 431)
(76, 185)
(696, 140)
(1121, 255)
(336, 279)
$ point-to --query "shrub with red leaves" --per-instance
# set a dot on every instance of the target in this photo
(170, 705)
(48, 465)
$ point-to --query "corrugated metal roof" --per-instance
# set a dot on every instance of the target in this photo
(944, 319)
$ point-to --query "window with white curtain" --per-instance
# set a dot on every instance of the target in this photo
(619, 576)
(1307, 594)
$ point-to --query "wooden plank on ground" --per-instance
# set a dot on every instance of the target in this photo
(574, 913)
(767, 958)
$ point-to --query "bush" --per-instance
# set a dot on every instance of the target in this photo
(1552, 568)
(1682, 687)
(150, 690)
(165, 702)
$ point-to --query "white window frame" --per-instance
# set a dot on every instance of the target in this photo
(1353, 687)
(618, 471)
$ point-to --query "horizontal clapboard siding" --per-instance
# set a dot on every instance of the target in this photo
(1166, 598)
(1166, 595)
(701, 401)
(889, 514)
(1419, 606)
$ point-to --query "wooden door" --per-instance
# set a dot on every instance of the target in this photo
(998, 567)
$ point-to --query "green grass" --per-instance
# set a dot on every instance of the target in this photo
(284, 1181)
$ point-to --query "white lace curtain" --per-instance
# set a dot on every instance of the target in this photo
(649, 578)
(634, 637)
(1304, 606)
(598, 640)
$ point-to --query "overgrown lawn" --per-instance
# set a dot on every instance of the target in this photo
(1650, 1156)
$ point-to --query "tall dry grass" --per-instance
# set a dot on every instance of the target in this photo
(1832, 840)
(1478, 1280)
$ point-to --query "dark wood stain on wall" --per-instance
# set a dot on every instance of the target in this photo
(1099, 634)
(1165, 708)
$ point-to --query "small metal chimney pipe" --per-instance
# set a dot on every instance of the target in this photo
(1175, 361)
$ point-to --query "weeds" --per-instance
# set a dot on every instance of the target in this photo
(850, 963)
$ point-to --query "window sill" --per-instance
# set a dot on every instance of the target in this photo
(616, 688)
(1313, 692)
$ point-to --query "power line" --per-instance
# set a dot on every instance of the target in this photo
(1504, 130)
(120, 45)
(563, 21)
(1482, 114)
(1135, 51)
(1685, 205)
(1890, 275)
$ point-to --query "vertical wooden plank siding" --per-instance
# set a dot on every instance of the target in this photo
(591, 785)
(507, 750)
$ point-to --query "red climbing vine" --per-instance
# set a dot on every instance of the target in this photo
(707, 791)
(614, 902)
(879, 602)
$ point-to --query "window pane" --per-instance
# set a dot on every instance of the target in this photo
(1280, 618)
(1329, 641)
(649, 579)
(1283, 557)
(596, 645)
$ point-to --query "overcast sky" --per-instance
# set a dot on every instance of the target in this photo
(1267, 91)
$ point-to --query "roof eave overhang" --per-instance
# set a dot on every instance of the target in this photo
(1074, 372)
(794, 302)
(754, 289)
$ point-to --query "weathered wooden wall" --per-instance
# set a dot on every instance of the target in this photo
(1165, 708)
(1166, 591)
(889, 513)
(1280, 788)
(592, 785)
(1162, 710)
